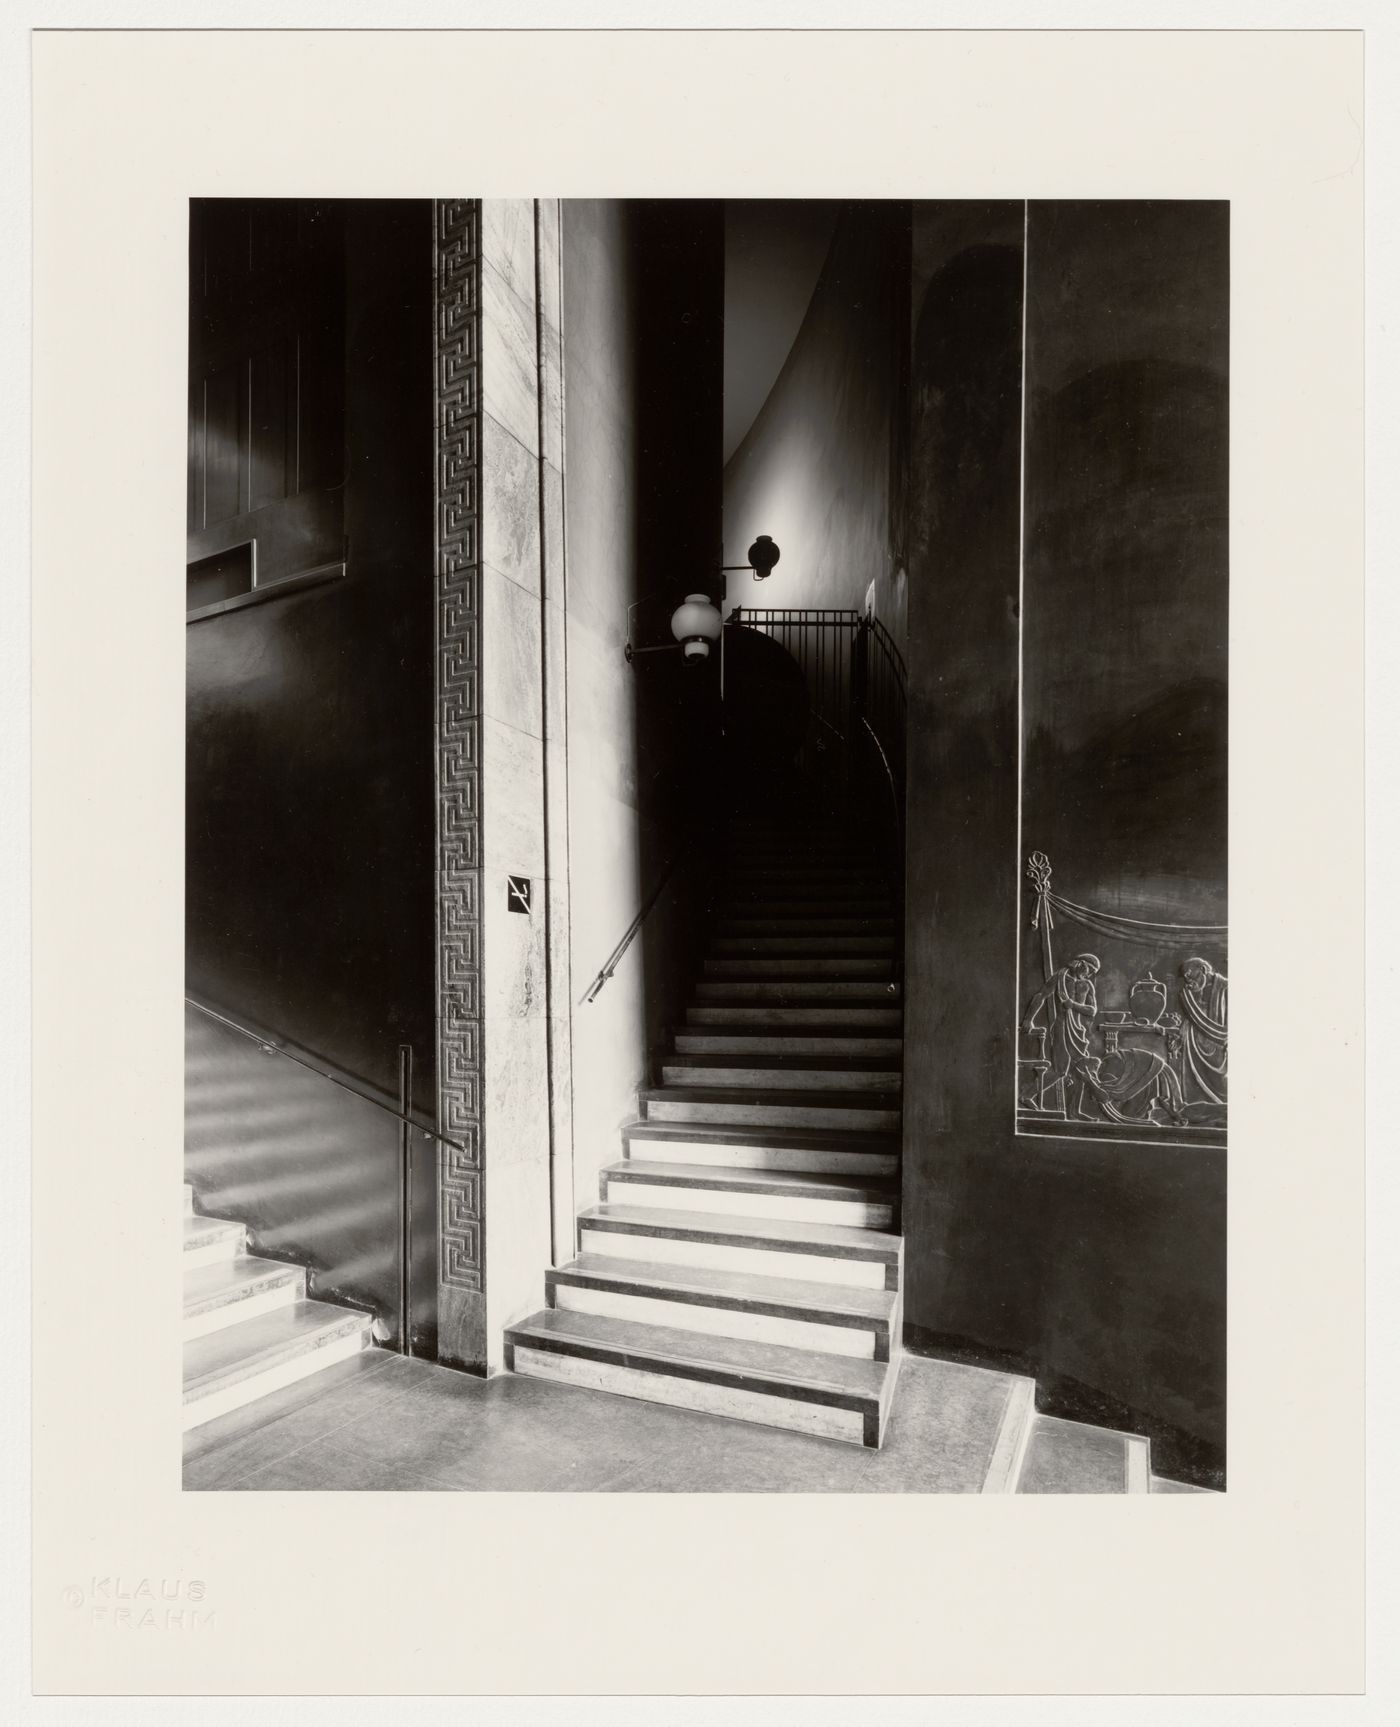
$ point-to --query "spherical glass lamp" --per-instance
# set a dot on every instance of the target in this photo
(695, 623)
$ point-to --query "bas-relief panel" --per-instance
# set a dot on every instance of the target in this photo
(1123, 1023)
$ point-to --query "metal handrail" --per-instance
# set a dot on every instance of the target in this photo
(889, 772)
(270, 1047)
(629, 935)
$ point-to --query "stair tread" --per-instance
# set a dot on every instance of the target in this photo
(780, 1028)
(735, 1094)
(795, 1183)
(201, 1231)
(880, 1244)
(787, 1138)
(239, 1351)
(775, 1363)
(209, 1285)
(751, 1288)
(794, 1063)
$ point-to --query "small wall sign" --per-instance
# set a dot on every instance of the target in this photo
(518, 894)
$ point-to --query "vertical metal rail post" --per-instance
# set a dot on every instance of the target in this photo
(405, 1197)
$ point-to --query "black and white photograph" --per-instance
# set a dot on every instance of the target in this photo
(632, 1011)
(706, 874)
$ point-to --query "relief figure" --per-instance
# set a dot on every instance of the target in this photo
(1205, 1033)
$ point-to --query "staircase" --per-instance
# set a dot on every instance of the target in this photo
(744, 1258)
(247, 1325)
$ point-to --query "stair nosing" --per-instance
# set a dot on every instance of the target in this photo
(345, 1323)
(271, 1274)
(790, 1184)
(819, 1303)
(773, 1137)
(675, 1354)
(851, 1241)
(776, 1097)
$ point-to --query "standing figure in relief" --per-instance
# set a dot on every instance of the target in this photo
(1205, 1031)
(1066, 1006)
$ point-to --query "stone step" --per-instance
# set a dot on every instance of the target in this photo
(816, 1017)
(872, 1073)
(805, 1390)
(834, 860)
(781, 967)
(787, 900)
(810, 1150)
(761, 1039)
(235, 1365)
(796, 991)
(819, 1252)
(860, 1112)
(207, 1240)
(1074, 1457)
(737, 926)
(779, 908)
(833, 1317)
(232, 1290)
(868, 1202)
(795, 884)
(767, 946)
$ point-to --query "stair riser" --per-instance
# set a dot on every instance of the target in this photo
(229, 1247)
(755, 905)
(792, 889)
(694, 1394)
(787, 1208)
(781, 1078)
(723, 1256)
(717, 1321)
(234, 1312)
(763, 947)
(849, 968)
(797, 1160)
(798, 1017)
(287, 1372)
(796, 993)
(855, 1119)
(721, 1043)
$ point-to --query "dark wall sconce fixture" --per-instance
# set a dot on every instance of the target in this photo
(763, 555)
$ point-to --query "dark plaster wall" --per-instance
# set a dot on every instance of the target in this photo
(820, 467)
(309, 811)
(1099, 1268)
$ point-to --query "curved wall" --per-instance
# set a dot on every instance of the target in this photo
(818, 469)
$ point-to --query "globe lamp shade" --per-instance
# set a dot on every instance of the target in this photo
(695, 623)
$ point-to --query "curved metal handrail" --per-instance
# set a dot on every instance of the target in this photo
(889, 774)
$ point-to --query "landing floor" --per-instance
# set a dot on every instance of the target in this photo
(381, 1423)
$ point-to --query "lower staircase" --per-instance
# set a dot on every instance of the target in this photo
(745, 1257)
(247, 1325)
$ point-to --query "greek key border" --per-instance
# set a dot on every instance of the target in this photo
(457, 694)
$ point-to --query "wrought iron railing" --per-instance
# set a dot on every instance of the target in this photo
(856, 693)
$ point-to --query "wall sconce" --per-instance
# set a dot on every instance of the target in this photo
(695, 623)
(763, 554)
